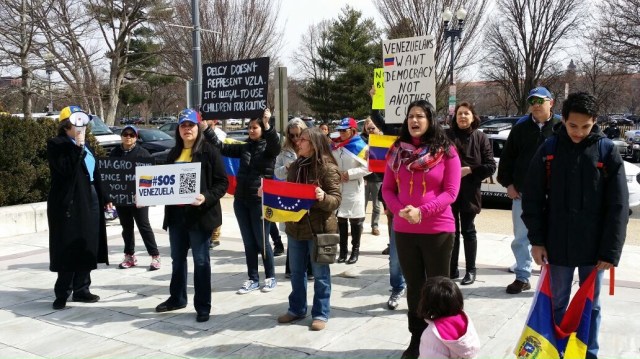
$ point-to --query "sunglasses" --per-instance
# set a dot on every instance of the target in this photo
(345, 130)
(537, 101)
(128, 134)
(371, 129)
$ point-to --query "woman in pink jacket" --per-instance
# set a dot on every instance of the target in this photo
(421, 181)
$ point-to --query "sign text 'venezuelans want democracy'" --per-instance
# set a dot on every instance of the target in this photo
(408, 46)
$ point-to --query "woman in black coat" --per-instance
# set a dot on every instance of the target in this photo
(77, 230)
(476, 158)
(190, 226)
(257, 160)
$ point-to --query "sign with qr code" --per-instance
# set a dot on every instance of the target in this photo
(178, 183)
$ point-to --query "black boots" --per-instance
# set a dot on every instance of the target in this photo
(469, 278)
(342, 257)
(343, 229)
(416, 327)
(356, 233)
(354, 256)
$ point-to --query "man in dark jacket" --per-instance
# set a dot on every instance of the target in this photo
(576, 206)
(524, 139)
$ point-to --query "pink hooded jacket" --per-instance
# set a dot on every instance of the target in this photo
(463, 341)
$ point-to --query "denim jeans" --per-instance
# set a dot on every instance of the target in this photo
(181, 239)
(396, 279)
(520, 246)
(371, 190)
(561, 280)
(254, 231)
(299, 256)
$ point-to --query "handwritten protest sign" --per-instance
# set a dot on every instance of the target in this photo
(409, 74)
(235, 89)
(178, 183)
(377, 102)
(118, 177)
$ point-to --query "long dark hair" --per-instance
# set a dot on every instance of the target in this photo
(434, 137)
(476, 119)
(321, 149)
(440, 298)
(175, 152)
(63, 127)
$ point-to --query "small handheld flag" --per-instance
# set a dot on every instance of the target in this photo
(378, 148)
(286, 201)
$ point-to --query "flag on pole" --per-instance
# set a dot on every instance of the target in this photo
(542, 338)
(286, 201)
(355, 147)
(378, 147)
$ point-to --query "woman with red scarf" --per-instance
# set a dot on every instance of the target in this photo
(421, 181)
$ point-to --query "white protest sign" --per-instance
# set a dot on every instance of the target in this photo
(167, 184)
(409, 74)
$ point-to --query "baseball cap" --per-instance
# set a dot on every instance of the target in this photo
(541, 92)
(132, 128)
(75, 115)
(188, 115)
(346, 123)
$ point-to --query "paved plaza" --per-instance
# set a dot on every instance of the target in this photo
(123, 324)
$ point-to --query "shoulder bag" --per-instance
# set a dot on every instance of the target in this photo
(325, 245)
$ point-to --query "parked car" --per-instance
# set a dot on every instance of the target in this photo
(510, 120)
(169, 128)
(240, 135)
(491, 189)
(155, 140)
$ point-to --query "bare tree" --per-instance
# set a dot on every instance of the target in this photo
(619, 33)
(17, 43)
(407, 18)
(306, 56)
(603, 79)
(522, 41)
(243, 29)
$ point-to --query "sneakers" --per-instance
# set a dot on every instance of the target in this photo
(394, 299)
(518, 286)
(269, 285)
(318, 325)
(155, 263)
(248, 286)
(129, 261)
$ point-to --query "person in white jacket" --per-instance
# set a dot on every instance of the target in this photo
(450, 332)
(352, 170)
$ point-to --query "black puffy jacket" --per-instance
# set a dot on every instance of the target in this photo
(257, 160)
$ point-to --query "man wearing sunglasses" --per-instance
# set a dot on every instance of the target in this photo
(523, 141)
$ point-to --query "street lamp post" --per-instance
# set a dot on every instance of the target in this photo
(453, 30)
(48, 60)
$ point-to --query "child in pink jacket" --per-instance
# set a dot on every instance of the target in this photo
(450, 332)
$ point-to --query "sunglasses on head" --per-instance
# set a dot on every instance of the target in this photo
(537, 101)
(128, 134)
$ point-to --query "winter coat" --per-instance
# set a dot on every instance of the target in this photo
(284, 159)
(323, 213)
(523, 141)
(352, 205)
(582, 216)
(213, 185)
(136, 152)
(257, 160)
(441, 185)
(73, 244)
(474, 149)
(433, 346)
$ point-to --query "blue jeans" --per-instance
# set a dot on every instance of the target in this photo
(396, 279)
(181, 239)
(299, 257)
(254, 231)
(520, 246)
(561, 280)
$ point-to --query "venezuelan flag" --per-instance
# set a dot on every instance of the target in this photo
(145, 181)
(286, 201)
(542, 338)
(378, 147)
(389, 61)
(356, 148)
(231, 166)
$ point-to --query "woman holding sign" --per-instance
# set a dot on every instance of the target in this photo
(190, 226)
(128, 214)
(257, 160)
(421, 181)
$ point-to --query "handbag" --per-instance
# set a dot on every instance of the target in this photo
(325, 246)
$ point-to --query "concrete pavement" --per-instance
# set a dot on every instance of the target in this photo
(124, 325)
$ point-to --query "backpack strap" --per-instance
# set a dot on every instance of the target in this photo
(605, 146)
(548, 151)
